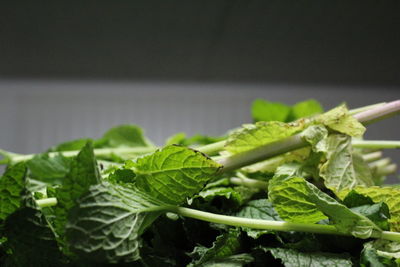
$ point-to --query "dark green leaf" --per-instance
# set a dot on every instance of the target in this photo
(31, 240)
(12, 186)
(82, 174)
(293, 258)
(258, 209)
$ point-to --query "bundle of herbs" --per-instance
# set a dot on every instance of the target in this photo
(298, 187)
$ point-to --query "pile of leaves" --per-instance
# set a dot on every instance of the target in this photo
(298, 187)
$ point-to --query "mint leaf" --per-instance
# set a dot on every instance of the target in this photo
(262, 110)
(123, 136)
(381, 253)
(31, 240)
(259, 134)
(344, 169)
(173, 173)
(297, 200)
(258, 209)
(293, 258)
(224, 246)
(340, 120)
(305, 109)
(12, 186)
(77, 144)
(107, 223)
(238, 260)
(82, 174)
(388, 195)
(51, 170)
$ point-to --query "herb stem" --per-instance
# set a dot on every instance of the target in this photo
(273, 225)
(46, 202)
(372, 156)
(375, 144)
(212, 149)
(249, 182)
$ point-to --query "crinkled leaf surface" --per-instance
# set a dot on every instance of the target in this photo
(381, 253)
(259, 134)
(108, 221)
(388, 195)
(297, 200)
(12, 185)
(340, 120)
(224, 246)
(343, 168)
(293, 258)
(82, 174)
(258, 209)
(173, 173)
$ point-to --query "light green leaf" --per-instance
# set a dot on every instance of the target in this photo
(176, 139)
(340, 120)
(293, 258)
(262, 110)
(12, 186)
(107, 223)
(124, 136)
(297, 200)
(344, 169)
(388, 195)
(47, 169)
(173, 173)
(82, 174)
(77, 144)
(224, 246)
(259, 134)
(305, 109)
(258, 209)
(226, 192)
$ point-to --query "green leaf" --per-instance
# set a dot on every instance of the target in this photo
(388, 195)
(376, 212)
(305, 109)
(381, 253)
(176, 139)
(12, 186)
(124, 136)
(31, 240)
(258, 209)
(259, 134)
(340, 120)
(107, 223)
(82, 174)
(297, 200)
(224, 246)
(238, 260)
(293, 258)
(225, 192)
(262, 110)
(51, 170)
(344, 169)
(77, 144)
(173, 173)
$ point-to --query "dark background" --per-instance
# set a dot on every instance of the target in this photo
(291, 42)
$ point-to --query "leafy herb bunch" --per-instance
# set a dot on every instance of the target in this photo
(298, 187)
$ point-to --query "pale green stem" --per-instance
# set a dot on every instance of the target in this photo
(273, 225)
(365, 108)
(387, 170)
(379, 163)
(46, 202)
(212, 149)
(378, 113)
(372, 144)
(372, 156)
(249, 183)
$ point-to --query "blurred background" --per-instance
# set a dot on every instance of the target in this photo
(74, 70)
